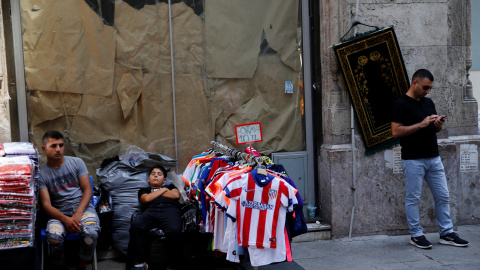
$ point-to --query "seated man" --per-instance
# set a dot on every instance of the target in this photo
(162, 210)
(65, 193)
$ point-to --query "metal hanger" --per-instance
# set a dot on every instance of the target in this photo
(355, 23)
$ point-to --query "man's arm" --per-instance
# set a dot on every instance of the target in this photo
(165, 192)
(400, 130)
(71, 225)
(86, 197)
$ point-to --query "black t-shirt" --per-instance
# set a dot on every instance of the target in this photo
(159, 201)
(423, 143)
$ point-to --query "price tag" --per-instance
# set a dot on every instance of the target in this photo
(249, 133)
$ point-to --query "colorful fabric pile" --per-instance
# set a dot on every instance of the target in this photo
(16, 149)
(17, 195)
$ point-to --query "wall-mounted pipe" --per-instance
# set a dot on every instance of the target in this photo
(354, 157)
(173, 82)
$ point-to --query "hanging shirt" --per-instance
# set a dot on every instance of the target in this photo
(262, 202)
(188, 173)
(265, 256)
(218, 206)
(205, 178)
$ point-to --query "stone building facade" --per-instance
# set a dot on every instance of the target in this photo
(360, 194)
(4, 95)
(432, 34)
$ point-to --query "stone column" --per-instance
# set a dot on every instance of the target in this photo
(468, 96)
(439, 41)
(4, 96)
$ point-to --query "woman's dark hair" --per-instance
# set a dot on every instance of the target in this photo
(164, 171)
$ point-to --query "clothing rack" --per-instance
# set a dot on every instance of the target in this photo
(220, 148)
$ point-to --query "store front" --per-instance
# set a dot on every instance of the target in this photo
(102, 74)
(168, 77)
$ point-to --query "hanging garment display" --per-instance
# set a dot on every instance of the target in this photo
(244, 203)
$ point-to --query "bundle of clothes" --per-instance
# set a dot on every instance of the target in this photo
(18, 175)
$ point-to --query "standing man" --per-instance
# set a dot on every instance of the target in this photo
(65, 194)
(415, 122)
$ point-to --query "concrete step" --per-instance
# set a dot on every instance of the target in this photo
(316, 231)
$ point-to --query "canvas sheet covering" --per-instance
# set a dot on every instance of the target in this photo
(245, 21)
(58, 42)
(375, 76)
(110, 86)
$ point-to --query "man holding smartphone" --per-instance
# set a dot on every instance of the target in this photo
(415, 122)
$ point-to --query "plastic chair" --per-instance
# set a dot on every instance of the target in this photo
(69, 237)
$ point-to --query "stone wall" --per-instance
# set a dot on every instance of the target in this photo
(432, 34)
(380, 192)
(4, 97)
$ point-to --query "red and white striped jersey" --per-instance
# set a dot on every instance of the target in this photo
(262, 202)
(216, 216)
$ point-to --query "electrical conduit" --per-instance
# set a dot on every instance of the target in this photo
(354, 157)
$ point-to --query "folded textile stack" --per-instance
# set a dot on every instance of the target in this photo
(15, 149)
(17, 202)
(19, 148)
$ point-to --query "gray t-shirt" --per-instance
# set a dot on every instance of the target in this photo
(63, 185)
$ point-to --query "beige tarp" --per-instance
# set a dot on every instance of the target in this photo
(234, 30)
(110, 87)
(65, 50)
(261, 99)
(143, 39)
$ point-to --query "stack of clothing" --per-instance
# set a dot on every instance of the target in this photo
(17, 198)
(15, 149)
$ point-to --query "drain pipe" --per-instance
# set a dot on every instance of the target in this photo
(173, 83)
(354, 157)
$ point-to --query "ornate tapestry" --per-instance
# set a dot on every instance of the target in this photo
(375, 77)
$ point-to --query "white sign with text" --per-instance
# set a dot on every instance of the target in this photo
(248, 133)
(397, 160)
(468, 158)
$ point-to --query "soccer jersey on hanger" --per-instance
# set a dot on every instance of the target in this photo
(262, 202)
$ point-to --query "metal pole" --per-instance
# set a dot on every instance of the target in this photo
(173, 82)
(354, 157)
(307, 88)
(19, 70)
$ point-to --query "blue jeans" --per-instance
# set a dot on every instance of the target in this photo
(430, 169)
(90, 226)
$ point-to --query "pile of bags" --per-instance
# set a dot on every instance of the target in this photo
(121, 177)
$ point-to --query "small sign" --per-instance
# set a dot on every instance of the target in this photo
(397, 160)
(288, 87)
(249, 133)
(468, 158)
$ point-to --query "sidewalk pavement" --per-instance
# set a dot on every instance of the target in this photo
(389, 252)
(369, 252)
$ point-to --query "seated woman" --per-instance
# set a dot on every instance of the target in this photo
(161, 210)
